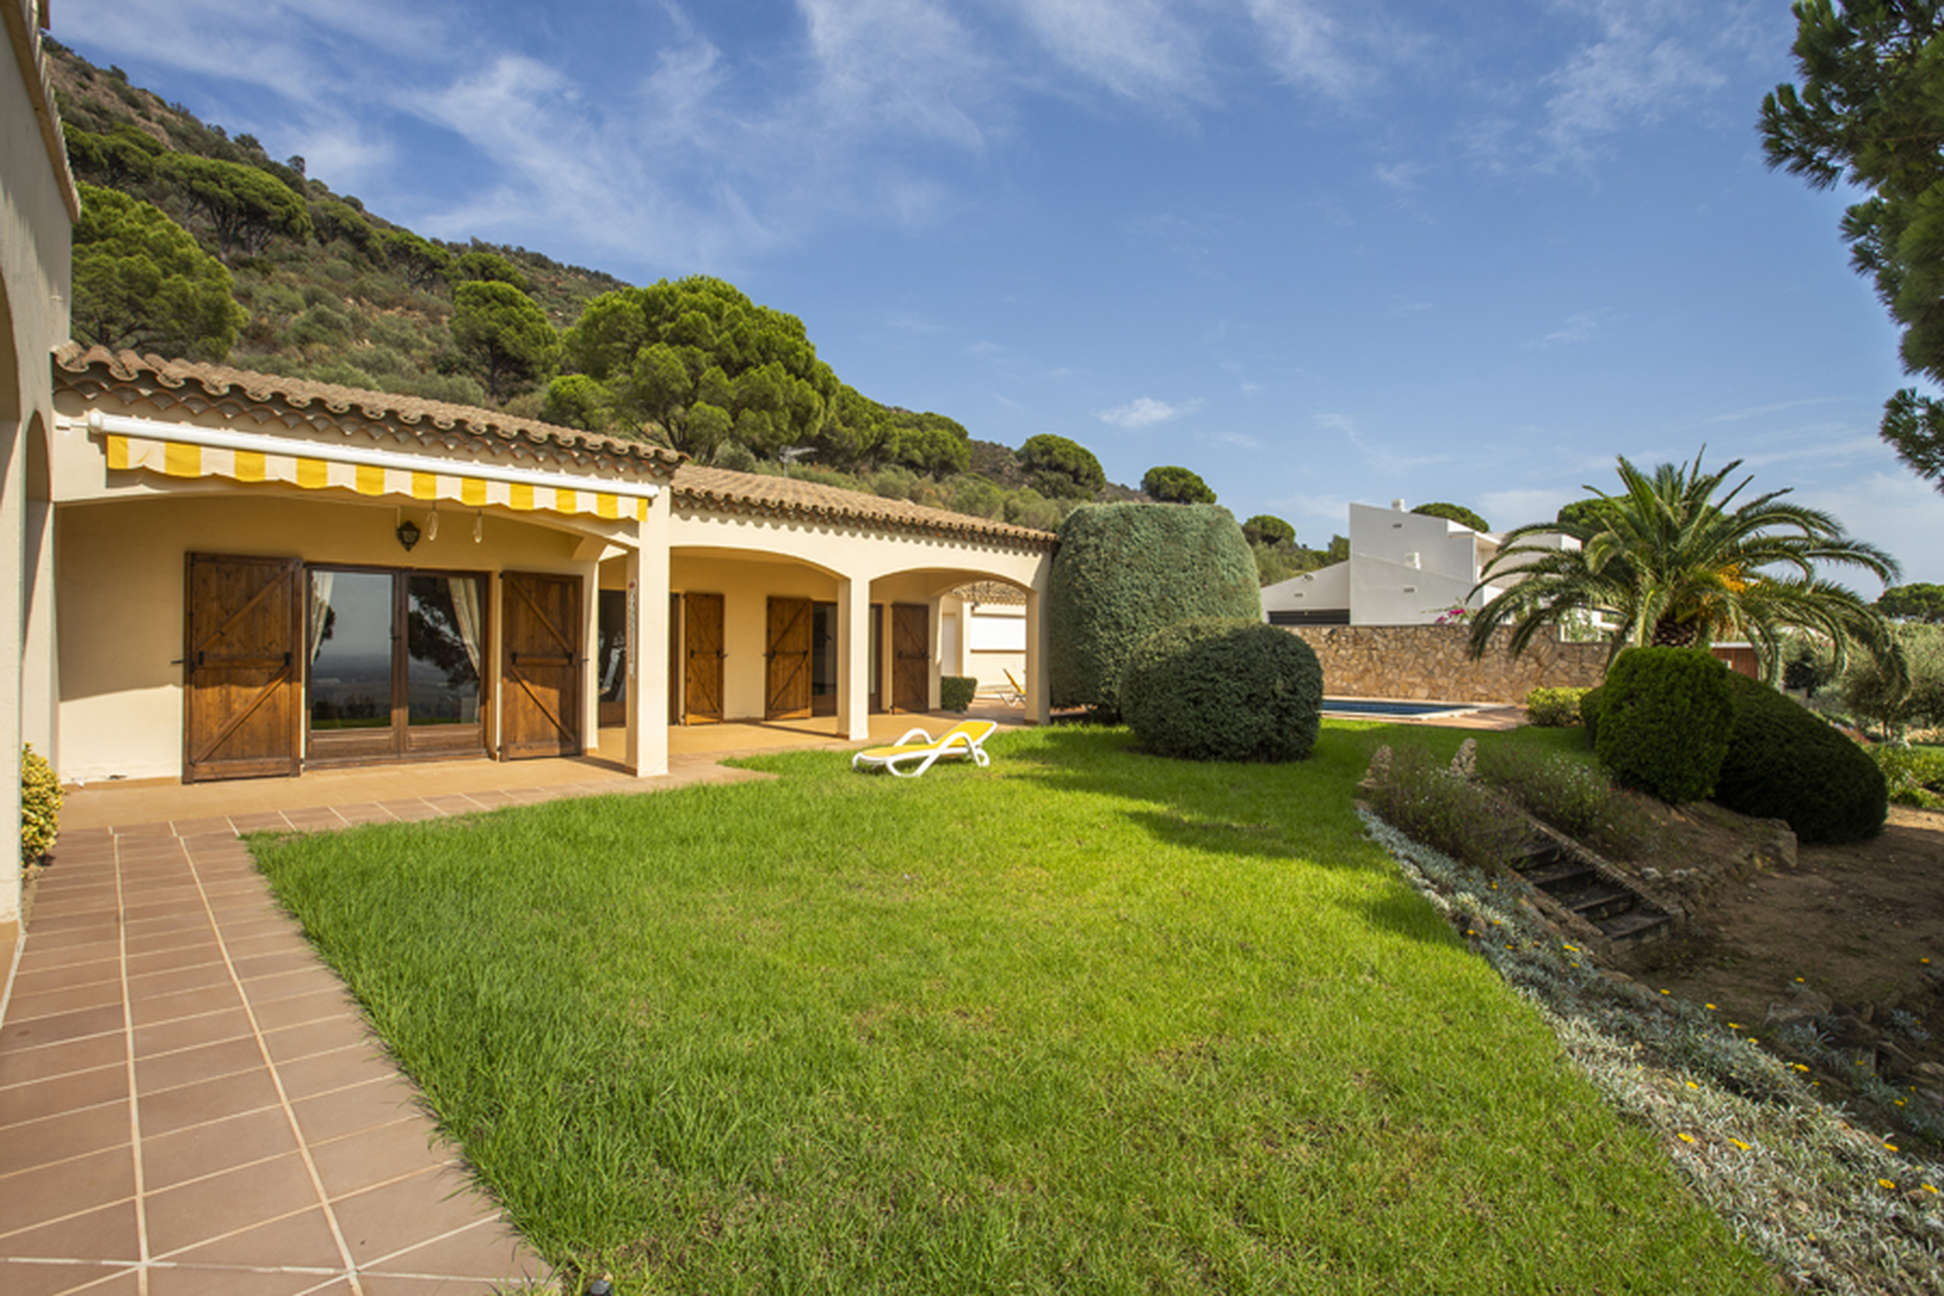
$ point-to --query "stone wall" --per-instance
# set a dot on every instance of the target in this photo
(1434, 663)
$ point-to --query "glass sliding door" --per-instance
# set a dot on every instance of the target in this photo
(395, 664)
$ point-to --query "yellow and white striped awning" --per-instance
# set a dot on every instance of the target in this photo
(186, 450)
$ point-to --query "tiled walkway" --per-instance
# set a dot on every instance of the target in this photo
(190, 1102)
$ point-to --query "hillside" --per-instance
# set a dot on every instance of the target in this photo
(247, 259)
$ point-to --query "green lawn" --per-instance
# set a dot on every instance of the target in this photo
(1085, 1021)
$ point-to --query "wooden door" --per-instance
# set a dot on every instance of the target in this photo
(242, 627)
(702, 675)
(789, 659)
(910, 657)
(541, 668)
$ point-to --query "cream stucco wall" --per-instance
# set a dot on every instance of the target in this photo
(36, 211)
(120, 567)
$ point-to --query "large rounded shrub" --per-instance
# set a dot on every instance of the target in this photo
(1786, 762)
(1663, 720)
(1223, 689)
(1124, 571)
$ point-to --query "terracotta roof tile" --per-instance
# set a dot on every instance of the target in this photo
(754, 493)
(414, 413)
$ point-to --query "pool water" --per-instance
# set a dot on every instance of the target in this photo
(1363, 706)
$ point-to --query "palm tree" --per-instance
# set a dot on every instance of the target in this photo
(1667, 562)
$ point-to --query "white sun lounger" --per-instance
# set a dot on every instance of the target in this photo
(917, 751)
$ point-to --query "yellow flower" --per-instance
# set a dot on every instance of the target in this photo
(1886, 1183)
(1575, 965)
(1692, 1085)
(1753, 1040)
(1738, 1143)
(1891, 1146)
(1898, 1101)
(1923, 960)
(1798, 980)
(1709, 1007)
(1667, 992)
(1929, 1189)
(1686, 1138)
(1798, 1066)
(1734, 1025)
(1572, 949)
(1470, 932)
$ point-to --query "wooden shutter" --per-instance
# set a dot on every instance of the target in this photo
(911, 657)
(789, 659)
(702, 631)
(243, 625)
(541, 670)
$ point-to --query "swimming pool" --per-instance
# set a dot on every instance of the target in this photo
(1365, 706)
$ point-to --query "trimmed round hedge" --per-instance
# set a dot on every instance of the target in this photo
(1786, 762)
(1217, 688)
(1663, 720)
(1124, 571)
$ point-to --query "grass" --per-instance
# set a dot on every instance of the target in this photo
(1086, 1021)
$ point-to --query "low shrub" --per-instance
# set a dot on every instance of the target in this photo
(1554, 708)
(1421, 797)
(1785, 762)
(1216, 688)
(1573, 797)
(1665, 715)
(40, 805)
(955, 692)
(1913, 776)
(1589, 712)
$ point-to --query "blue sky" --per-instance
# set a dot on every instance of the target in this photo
(1316, 250)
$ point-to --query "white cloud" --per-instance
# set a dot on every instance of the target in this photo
(1403, 177)
(1512, 507)
(1143, 411)
(1390, 463)
(1580, 326)
(898, 65)
(1306, 46)
(1137, 49)
(1644, 65)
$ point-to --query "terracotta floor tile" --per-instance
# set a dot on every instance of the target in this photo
(322, 817)
(452, 805)
(170, 1159)
(174, 1109)
(410, 811)
(125, 1283)
(39, 974)
(188, 1032)
(411, 1212)
(44, 1098)
(260, 821)
(104, 1234)
(168, 1280)
(196, 976)
(100, 919)
(191, 1066)
(380, 1284)
(99, 994)
(259, 966)
(488, 1250)
(265, 942)
(60, 949)
(199, 827)
(270, 921)
(310, 980)
(203, 1209)
(57, 1138)
(25, 1278)
(191, 954)
(22, 1065)
(57, 1191)
(164, 942)
(316, 1037)
(61, 1026)
(341, 1069)
(346, 1111)
(302, 1009)
(148, 1010)
(303, 1239)
(363, 812)
(384, 1152)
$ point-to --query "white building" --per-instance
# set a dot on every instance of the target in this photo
(1404, 569)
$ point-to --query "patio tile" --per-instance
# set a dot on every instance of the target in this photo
(60, 1026)
(170, 1159)
(168, 981)
(163, 942)
(488, 1250)
(382, 1284)
(190, 954)
(291, 985)
(194, 1065)
(376, 1155)
(302, 1009)
(68, 1188)
(204, 1209)
(57, 1138)
(194, 1104)
(316, 1037)
(151, 1009)
(75, 947)
(107, 1233)
(48, 1003)
(190, 1280)
(357, 1065)
(268, 941)
(408, 1213)
(49, 974)
(320, 817)
(410, 811)
(260, 821)
(301, 1239)
(19, 1066)
(363, 812)
(98, 919)
(43, 1098)
(27, 1278)
(360, 1107)
(187, 1032)
(218, 824)
(259, 966)
(451, 804)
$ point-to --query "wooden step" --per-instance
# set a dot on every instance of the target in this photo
(1641, 924)
(1600, 902)
(1559, 876)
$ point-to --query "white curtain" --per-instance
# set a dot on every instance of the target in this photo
(465, 613)
(321, 582)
